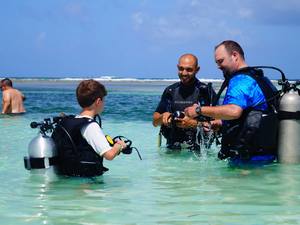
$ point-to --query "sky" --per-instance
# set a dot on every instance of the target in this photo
(143, 38)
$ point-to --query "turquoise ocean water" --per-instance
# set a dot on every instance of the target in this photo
(163, 188)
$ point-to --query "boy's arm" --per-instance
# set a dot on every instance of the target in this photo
(96, 139)
(114, 151)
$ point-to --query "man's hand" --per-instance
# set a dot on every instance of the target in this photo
(191, 111)
(166, 118)
(161, 119)
(214, 125)
(186, 122)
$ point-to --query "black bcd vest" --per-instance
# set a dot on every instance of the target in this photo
(76, 156)
(255, 132)
(180, 97)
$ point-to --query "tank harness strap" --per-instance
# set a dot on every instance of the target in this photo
(210, 93)
(223, 86)
(170, 96)
(68, 134)
(206, 92)
(40, 163)
(258, 76)
(97, 117)
(284, 115)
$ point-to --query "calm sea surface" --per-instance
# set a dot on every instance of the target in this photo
(163, 188)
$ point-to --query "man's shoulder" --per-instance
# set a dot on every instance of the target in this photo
(6, 94)
(14, 92)
(18, 91)
(200, 84)
(242, 83)
(171, 87)
(174, 85)
(242, 78)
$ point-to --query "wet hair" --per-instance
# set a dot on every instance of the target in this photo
(88, 91)
(231, 46)
(6, 82)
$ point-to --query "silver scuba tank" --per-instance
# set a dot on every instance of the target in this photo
(289, 126)
(42, 153)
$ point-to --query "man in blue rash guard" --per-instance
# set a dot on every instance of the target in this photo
(243, 104)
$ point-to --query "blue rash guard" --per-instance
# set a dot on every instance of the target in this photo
(245, 92)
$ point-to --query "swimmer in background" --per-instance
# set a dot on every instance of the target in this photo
(12, 99)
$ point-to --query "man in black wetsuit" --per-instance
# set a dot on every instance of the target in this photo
(177, 97)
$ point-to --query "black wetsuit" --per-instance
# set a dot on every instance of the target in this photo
(177, 97)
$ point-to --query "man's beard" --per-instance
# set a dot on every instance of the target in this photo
(226, 73)
(187, 80)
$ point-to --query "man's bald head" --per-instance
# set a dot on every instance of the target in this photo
(189, 58)
(187, 68)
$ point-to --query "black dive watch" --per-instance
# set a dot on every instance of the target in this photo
(198, 110)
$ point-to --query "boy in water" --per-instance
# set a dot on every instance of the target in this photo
(83, 155)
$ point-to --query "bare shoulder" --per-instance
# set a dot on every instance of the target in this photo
(6, 94)
(16, 92)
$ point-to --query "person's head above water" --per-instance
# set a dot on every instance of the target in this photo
(90, 92)
(229, 57)
(6, 83)
(187, 68)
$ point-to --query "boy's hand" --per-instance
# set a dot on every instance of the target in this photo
(121, 144)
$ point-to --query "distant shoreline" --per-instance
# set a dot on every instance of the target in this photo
(40, 81)
(103, 79)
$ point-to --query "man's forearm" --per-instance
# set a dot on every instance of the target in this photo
(225, 112)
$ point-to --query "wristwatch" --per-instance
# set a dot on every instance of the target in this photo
(198, 110)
